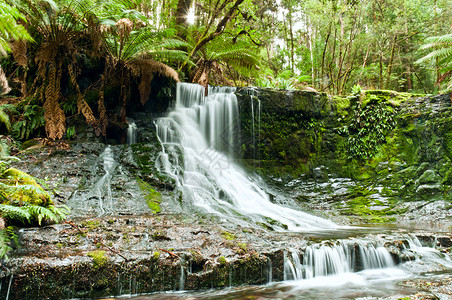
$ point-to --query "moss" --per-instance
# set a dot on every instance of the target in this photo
(99, 258)
(156, 255)
(222, 260)
(228, 235)
(391, 97)
(152, 197)
(90, 224)
(19, 186)
(342, 104)
(243, 247)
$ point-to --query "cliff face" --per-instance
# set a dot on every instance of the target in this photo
(390, 147)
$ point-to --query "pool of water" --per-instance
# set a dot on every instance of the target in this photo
(369, 284)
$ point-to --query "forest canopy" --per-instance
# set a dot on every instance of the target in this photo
(62, 56)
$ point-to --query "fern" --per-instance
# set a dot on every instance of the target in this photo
(32, 121)
(440, 48)
(221, 54)
(7, 236)
(15, 213)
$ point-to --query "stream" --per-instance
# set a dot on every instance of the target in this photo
(198, 150)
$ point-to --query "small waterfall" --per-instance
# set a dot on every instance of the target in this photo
(97, 197)
(428, 255)
(321, 260)
(252, 131)
(270, 271)
(103, 187)
(199, 143)
(255, 119)
(258, 129)
(132, 133)
(182, 276)
(9, 286)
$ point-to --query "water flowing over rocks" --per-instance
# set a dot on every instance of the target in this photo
(130, 231)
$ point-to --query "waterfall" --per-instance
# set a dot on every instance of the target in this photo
(97, 196)
(103, 187)
(321, 260)
(427, 254)
(199, 143)
(132, 133)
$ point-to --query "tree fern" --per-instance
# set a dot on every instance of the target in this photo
(440, 48)
(220, 54)
(9, 29)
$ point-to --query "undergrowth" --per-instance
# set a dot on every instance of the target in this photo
(23, 202)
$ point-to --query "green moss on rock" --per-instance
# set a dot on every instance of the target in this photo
(19, 186)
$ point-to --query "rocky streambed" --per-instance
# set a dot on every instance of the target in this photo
(133, 247)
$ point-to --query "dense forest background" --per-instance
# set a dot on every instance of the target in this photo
(88, 57)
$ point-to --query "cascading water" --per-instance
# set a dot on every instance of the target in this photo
(132, 133)
(199, 138)
(99, 196)
(255, 116)
(321, 260)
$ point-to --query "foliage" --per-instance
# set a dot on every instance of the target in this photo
(7, 237)
(31, 121)
(4, 119)
(22, 202)
(278, 83)
(440, 48)
(10, 28)
(329, 45)
(59, 29)
(99, 258)
(370, 123)
(221, 56)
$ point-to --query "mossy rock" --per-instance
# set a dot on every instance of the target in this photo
(429, 177)
(19, 186)
(153, 198)
(390, 97)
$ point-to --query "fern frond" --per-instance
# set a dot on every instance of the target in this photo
(441, 49)
(41, 214)
(7, 236)
(19, 213)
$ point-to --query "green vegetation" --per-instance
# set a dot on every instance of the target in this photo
(152, 197)
(222, 260)
(372, 120)
(99, 258)
(228, 235)
(23, 202)
(156, 255)
(92, 57)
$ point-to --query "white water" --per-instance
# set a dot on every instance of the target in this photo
(96, 195)
(132, 133)
(427, 255)
(199, 138)
(322, 260)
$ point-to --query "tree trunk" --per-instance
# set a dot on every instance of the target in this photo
(391, 60)
(409, 83)
(381, 71)
(292, 56)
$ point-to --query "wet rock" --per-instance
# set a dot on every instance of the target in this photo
(426, 190)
